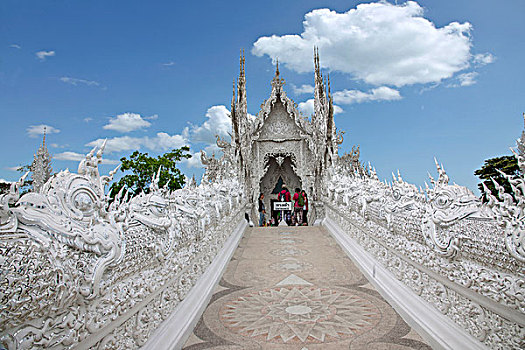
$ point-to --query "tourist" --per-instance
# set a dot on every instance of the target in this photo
(285, 196)
(305, 208)
(262, 210)
(298, 206)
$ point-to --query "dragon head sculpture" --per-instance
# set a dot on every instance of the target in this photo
(70, 209)
(447, 205)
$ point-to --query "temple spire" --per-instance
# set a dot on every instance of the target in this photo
(242, 60)
(241, 106)
(233, 97)
(277, 82)
(41, 165)
(320, 103)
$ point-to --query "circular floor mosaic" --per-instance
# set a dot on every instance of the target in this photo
(299, 314)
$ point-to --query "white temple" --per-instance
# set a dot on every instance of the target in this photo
(79, 270)
(280, 144)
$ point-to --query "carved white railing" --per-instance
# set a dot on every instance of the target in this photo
(79, 271)
(455, 253)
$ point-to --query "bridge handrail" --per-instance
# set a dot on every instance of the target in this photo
(80, 270)
(445, 245)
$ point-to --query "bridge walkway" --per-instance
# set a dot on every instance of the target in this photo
(295, 288)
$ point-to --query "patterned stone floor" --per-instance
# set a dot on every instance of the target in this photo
(294, 288)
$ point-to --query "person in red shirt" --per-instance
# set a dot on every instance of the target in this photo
(298, 206)
(285, 196)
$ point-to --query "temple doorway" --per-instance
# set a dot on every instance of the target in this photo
(280, 170)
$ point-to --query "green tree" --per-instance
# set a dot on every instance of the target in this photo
(489, 170)
(143, 168)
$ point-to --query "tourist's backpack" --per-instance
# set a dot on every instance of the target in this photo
(300, 200)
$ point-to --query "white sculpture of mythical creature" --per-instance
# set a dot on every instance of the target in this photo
(152, 211)
(372, 191)
(447, 205)
(403, 197)
(8, 221)
(213, 167)
(509, 210)
(70, 209)
(189, 212)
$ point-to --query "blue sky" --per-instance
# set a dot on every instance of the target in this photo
(413, 80)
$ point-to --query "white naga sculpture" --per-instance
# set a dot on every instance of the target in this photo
(75, 265)
(463, 257)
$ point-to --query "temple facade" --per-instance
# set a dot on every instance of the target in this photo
(281, 145)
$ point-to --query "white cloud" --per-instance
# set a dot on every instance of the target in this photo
(42, 55)
(88, 119)
(467, 79)
(483, 59)
(5, 181)
(382, 93)
(303, 89)
(213, 149)
(69, 156)
(15, 46)
(164, 141)
(194, 161)
(307, 108)
(13, 168)
(337, 110)
(78, 157)
(218, 123)
(56, 145)
(168, 64)
(35, 130)
(161, 142)
(127, 122)
(379, 43)
(75, 81)
(118, 144)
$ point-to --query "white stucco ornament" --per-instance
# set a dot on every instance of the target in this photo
(81, 270)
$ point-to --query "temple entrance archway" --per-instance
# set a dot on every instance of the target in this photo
(280, 169)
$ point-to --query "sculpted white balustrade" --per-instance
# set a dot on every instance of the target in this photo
(81, 270)
(463, 257)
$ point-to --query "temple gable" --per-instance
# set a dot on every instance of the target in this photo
(279, 124)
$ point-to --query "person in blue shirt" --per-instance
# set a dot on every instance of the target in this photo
(262, 210)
